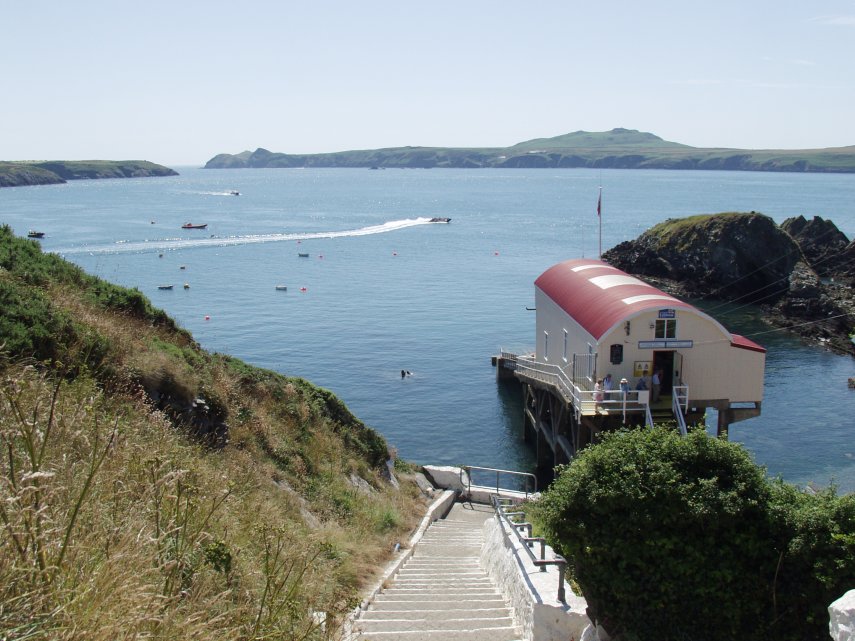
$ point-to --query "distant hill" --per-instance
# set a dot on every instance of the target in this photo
(615, 149)
(18, 174)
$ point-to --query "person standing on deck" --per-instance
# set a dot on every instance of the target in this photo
(607, 386)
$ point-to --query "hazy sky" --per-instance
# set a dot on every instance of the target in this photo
(177, 82)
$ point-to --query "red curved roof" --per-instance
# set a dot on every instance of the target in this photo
(599, 296)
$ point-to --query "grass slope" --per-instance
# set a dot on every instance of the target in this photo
(151, 489)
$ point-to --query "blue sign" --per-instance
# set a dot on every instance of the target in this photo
(667, 313)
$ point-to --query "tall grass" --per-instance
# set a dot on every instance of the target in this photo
(118, 522)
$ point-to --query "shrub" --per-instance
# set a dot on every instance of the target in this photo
(685, 538)
(816, 538)
(668, 535)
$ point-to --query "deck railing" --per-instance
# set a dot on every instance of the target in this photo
(577, 393)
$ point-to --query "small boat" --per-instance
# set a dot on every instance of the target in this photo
(303, 255)
(440, 219)
(164, 286)
(234, 192)
(281, 288)
(192, 226)
(186, 285)
(183, 267)
(35, 234)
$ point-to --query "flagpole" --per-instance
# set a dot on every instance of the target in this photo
(600, 219)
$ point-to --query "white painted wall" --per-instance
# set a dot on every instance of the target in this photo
(551, 318)
(532, 593)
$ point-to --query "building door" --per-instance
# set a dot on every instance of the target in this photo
(678, 369)
(664, 362)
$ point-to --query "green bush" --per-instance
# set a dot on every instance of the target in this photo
(816, 537)
(686, 538)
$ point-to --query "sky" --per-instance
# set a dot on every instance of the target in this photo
(179, 81)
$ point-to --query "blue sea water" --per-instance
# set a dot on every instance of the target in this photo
(384, 290)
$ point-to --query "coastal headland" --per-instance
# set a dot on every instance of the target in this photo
(53, 172)
(800, 272)
(615, 149)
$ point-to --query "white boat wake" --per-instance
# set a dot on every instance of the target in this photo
(168, 244)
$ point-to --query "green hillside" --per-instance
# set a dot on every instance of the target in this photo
(615, 149)
(18, 174)
(151, 489)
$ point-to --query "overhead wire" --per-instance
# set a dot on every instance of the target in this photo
(784, 278)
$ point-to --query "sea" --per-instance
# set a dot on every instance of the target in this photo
(381, 289)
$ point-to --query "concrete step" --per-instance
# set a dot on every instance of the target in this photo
(440, 582)
(447, 623)
(441, 593)
(435, 614)
(479, 592)
(443, 605)
(468, 634)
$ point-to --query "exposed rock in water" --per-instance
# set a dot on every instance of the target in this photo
(747, 258)
(820, 240)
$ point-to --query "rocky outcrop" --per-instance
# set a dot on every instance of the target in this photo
(803, 284)
(732, 255)
(820, 240)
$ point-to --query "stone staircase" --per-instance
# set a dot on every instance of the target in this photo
(441, 593)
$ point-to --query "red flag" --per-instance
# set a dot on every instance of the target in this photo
(599, 204)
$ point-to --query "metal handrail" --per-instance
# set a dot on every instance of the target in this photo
(678, 413)
(526, 475)
(527, 541)
(681, 394)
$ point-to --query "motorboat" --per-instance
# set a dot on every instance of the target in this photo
(35, 234)
(192, 226)
(303, 255)
(234, 192)
(440, 219)
(164, 286)
(281, 288)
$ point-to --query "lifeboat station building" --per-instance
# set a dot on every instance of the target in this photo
(612, 350)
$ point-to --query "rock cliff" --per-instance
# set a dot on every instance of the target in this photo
(800, 273)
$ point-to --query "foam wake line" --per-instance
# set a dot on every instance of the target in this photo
(223, 241)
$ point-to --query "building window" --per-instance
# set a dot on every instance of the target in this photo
(666, 328)
(565, 346)
(546, 346)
